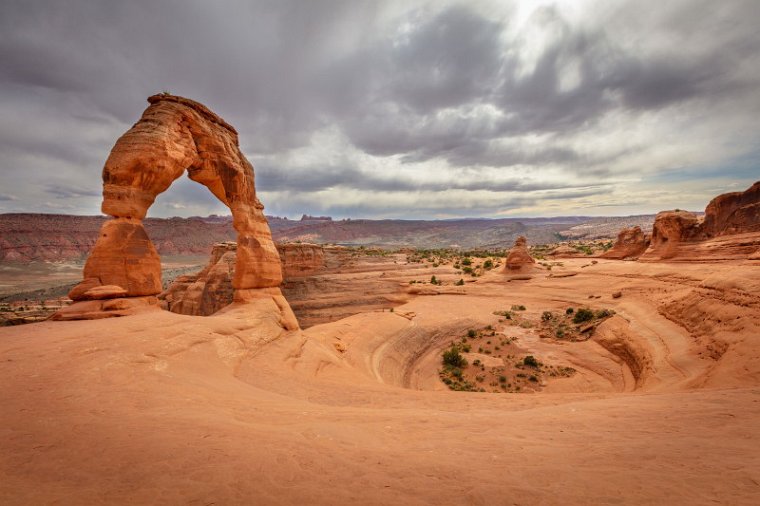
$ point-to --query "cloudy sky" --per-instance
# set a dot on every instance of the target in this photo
(395, 109)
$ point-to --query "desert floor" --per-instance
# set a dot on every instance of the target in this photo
(160, 408)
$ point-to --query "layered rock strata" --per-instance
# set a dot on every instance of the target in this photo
(211, 289)
(175, 135)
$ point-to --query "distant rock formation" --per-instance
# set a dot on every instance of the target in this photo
(630, 243)
(211, 289)
(518, 258)
(307, 217)
(727, 214)
(176, 135)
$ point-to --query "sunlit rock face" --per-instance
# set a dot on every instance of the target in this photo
(175, 135)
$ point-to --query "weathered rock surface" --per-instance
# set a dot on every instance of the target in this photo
(211, 289)
(518, 258)
(176, 135)
(670, 229)
(733, 213)
(299, 259)
(630, 243)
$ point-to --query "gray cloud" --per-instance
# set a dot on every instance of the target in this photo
(433, 90)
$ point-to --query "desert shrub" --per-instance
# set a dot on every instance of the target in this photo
(604, 313)
(466, 348)
(569, 310)
(460, 282)
(467, 270)
(488, 264)
(466, 261)
(533, 378)
(471, 333)
(433, 280)
(583, 315)
(517, 307)
(502, 379)
(560, 333)
(453, 358)
(530, 361)
(547, 316)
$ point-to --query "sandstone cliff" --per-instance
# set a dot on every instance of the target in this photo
(211, 289)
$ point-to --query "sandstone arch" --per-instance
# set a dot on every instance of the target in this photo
(175, 135)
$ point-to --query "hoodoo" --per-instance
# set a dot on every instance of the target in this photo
(518, 258)
(174, 135)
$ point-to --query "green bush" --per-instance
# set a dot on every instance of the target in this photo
(471, 333)
(569, 310)
(460, 282)
(583, 315)
(453, 358)
(530, 361)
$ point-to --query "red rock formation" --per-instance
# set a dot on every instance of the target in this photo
(518, 258)
(211, 289)
(733, 213)
(670, 229)
(630, 243)
(300, 259)
(176, 134)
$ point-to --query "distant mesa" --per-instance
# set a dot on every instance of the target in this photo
(307, 217)
(518, 258)
(175, 135)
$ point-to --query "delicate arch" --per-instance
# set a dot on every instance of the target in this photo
(175, 135)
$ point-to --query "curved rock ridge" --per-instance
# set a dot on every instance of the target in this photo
(518, 258)
(208, 291)
(175, 135)
(630, 243)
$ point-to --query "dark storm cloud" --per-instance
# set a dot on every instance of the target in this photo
(439, 87)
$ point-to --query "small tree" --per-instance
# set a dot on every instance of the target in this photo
(453, 358)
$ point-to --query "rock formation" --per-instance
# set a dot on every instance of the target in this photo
(630, 243)
(733, 213)
(669, 230)
(300, 259)
(175, 135)
(211, 289)
(518, 258)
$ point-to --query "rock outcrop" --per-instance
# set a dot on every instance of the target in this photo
(300, 259)
(211, 289)
(630, 244)
(175, 135)
(733, 213)
(518, 258)
(669, 230)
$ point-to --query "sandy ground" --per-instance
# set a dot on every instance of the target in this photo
(160, 408)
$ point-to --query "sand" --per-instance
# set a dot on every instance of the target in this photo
(160, 408)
